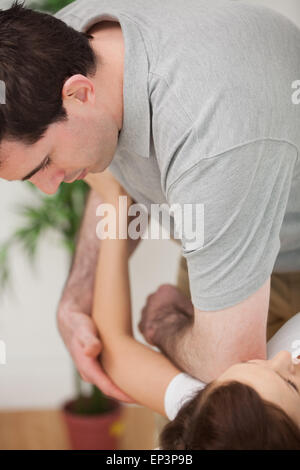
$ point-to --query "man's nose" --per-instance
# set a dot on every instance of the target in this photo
(48, 184)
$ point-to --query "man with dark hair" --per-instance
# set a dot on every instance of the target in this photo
(186, 101)
(62, 117)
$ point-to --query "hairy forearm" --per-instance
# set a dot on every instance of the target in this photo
(187, 349)
(214, 341)
(176, 340)
(79, 285)
(198, 354)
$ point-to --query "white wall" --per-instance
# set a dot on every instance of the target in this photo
(36, 359)
(39, 372)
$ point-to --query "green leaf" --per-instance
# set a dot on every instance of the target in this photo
(4, 266)
(50, 6)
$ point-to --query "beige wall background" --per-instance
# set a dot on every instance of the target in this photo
(38, 371)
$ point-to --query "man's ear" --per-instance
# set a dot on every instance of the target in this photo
(78, 88)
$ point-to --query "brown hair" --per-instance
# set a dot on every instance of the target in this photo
(232, 416)
(38, 52)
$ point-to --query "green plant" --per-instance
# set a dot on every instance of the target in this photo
(49, 6)
(61, 213)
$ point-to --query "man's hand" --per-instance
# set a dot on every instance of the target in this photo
(80, 337)
(166, 310)
(205, 344)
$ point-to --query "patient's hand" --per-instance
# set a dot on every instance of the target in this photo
(164, 313)
(106, 185)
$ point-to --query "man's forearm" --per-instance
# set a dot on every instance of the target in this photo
(79, 285)
(177, 341)
(173, 338)
(205, 344)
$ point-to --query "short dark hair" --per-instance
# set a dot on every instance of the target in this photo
(38, 52)
(231, 416)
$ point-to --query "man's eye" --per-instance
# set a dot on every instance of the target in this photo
(47, 163)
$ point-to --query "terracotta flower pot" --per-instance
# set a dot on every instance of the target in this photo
(94, 432)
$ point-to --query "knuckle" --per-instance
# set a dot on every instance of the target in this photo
(150, 297)
(165, 288)
(144, 310)
(145, 315)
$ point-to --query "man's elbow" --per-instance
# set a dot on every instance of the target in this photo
(219, 362)
(211, 362)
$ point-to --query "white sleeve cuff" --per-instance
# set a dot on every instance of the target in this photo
(181, 388)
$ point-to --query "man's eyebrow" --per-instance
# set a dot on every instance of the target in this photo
(33, 172)
(285, 380)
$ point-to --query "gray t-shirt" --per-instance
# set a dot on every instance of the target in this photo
(209, 119)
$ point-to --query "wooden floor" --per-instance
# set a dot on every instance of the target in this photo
(45, 430)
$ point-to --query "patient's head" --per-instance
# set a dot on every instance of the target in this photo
(252, 405)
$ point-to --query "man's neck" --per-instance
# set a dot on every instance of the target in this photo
(108, 44)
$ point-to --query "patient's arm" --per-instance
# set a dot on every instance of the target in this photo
(139, 371)
(205, 344)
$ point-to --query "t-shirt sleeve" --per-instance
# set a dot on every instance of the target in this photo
(237, 200)
(182, 388)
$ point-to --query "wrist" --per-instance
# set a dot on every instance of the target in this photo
(74, 302)
(114, 198)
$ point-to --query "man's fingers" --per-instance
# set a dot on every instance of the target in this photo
(177, 298)
(111, 390)
(91, 371)
(91, 345)
(146, 332)
(141, 326)
(93, 348)
(85, 347)
(105, 384)
(84, 378)
(143, 329)
(186, 305)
